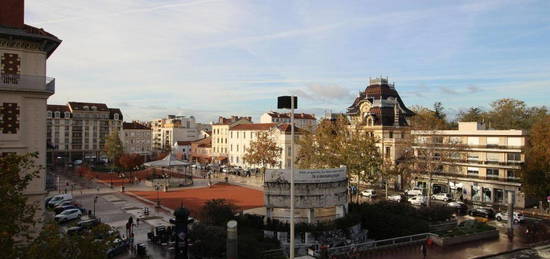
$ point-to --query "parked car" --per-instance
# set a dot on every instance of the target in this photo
(482, 212)
(58, 199)
(441, 196)
(518, 217)
(77, 162)
(417, 200)
(118, 247)
(395, 197)
(89, 223)
(60, 209)
(369, 193)
(460, 206)
(68, 215)
(414, 192)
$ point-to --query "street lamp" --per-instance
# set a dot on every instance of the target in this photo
(95, 201)
(290, 102)
(157, 187)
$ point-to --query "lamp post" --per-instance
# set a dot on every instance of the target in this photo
(290, 102)
(157, 187)
(95, 201)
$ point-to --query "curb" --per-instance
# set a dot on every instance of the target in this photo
(171, 211)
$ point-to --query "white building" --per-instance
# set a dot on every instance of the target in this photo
(24, 91)
(485, 166)
(301, 120)
(220, 136)
(78, 130)
(136, 138)
(167, 131)
(240, 137)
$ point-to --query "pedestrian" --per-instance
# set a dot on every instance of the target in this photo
(137, 222)
(423, 250)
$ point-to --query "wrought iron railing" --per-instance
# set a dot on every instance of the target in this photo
(27, 83)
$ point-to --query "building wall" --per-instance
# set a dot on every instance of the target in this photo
(166, 132)
(488, 160)
(299, 122)
(136, 141)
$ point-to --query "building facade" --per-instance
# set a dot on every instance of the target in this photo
(167, 131)
(483, 167)
(379, 110)
(201, 150)
(220, 136)
(24, 91)
(78, 130)
(301, 120)
(241, 136)
(136, 138)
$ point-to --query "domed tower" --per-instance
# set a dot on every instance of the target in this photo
(380, 110)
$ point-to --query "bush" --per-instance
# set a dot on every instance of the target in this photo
(217, 212)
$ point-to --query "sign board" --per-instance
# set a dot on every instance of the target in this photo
(307, 175)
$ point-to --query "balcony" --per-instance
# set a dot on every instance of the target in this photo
(27, 83)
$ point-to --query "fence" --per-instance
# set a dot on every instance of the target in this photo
(384, 243)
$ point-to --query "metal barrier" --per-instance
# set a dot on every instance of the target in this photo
(384, 243)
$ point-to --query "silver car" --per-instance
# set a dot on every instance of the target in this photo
(68, 215)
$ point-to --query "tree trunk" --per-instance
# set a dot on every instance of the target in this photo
(429, 198)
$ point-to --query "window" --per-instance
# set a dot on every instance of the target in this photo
(473, 156)
(492, 172)
(391, 134)
(67, 115)
(116, 116)
(86, 108)
(514, 142)
(94, 108)
(473, 171)
(486, 195)
(514, 156)
(57, 115)
(476, 193)
(388, 152)
(511, 174)
(499, 195)
(49, 114)
(455, 140)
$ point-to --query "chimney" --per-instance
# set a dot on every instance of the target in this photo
(12, 13)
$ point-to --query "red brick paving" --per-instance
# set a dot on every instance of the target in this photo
(104, 177)
(193, 199)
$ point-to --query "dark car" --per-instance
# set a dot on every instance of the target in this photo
(482, 212)
(75, 230)
(119, 247)
(459, 206)
(89, 223)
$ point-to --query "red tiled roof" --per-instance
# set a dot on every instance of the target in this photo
(60, 108)
(134, 126)
(254, 126)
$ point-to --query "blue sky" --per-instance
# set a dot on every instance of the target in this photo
(211, 57)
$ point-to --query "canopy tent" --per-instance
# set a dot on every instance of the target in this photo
(168, 161)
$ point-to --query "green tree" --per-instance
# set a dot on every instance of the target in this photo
(217, 212)
(536, 170)
(472, 114)
(53, 243)
(263, 151)
(426, 119)
(508, 114)
(208, 241)
(16, 214)
(113, 148)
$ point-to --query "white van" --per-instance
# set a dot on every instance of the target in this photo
(57, 199)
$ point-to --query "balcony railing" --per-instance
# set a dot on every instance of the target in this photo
(27, 83)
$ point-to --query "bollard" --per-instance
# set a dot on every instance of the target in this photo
(232, 240)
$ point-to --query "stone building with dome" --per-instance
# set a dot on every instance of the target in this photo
(380, 110)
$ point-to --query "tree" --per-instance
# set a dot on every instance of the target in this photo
(335, 143)
(217, 212)
(16, 215)
(427, 119)
(129, 162)
(472, 114)
(536, 170)
(263, 151)
(113, 147)
(54, 243)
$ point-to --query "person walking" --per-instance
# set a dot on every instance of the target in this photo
(424, 251)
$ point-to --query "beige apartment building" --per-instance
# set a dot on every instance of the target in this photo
(301, 120)
(24, 90)
(483, 166)
(78, 130)
(136, 138)
(168, 131)
(240, 137)
(220, 136)
(379, 110)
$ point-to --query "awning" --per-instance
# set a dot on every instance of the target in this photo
(168, 161)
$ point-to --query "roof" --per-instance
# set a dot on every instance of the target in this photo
(305, 116)
(204, 142)
(183, 143)
(27, 32)
(79, 106)
(254, 126)
(134, 126)
(227, 121)
(113, 111)
(285, 127)
(58, 108)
